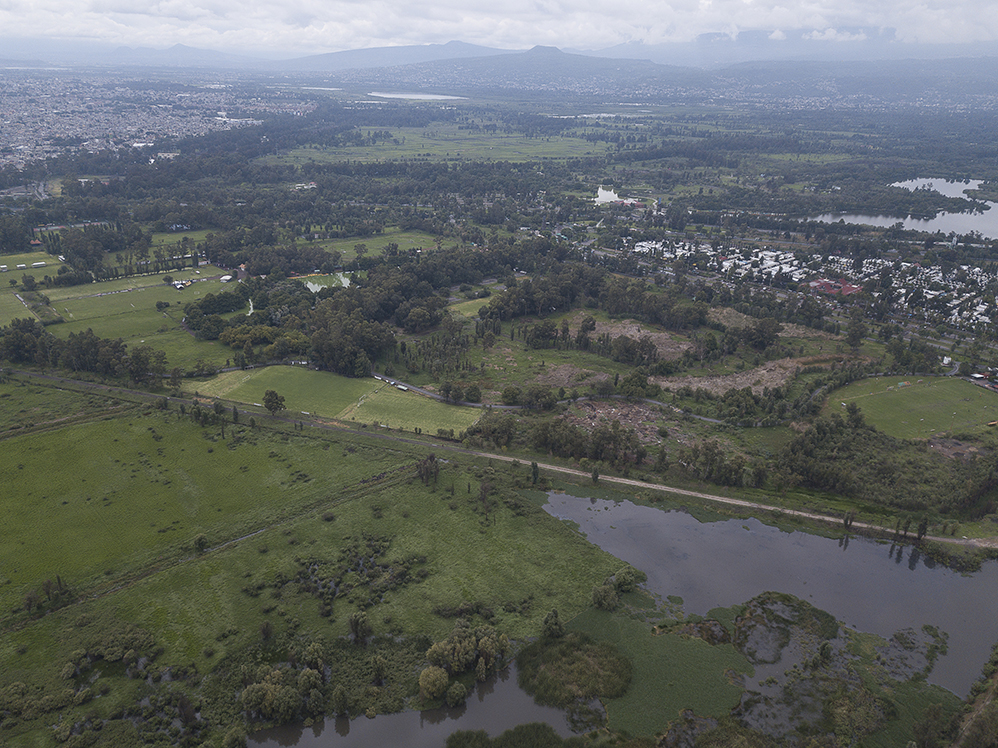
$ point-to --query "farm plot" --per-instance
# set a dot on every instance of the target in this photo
(912, 408)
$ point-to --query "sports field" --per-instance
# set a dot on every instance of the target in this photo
(918, 408)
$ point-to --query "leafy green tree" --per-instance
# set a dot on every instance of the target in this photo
(433, 682)
(553, 627)
(273, 402)
(856, 330)
(360, 627)
(456, 694)
(605, 597)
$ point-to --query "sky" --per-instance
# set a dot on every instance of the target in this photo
(294, 28)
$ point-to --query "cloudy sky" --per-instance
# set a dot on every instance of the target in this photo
(299, 27)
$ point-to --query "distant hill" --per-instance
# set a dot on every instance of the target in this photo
(181, 56)
(538, 69)
(378, 57)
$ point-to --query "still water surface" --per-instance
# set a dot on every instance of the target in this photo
(985, 222)
(869, 586)
(495, 706)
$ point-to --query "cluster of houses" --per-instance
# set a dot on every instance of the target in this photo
(959, 297)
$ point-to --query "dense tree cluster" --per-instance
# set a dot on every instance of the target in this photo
(25, 341)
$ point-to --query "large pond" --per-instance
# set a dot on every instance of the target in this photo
(869, 586)
(985, 222)
(495, 706)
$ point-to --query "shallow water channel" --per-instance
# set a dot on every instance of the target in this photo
(494, 706)
(870, 586)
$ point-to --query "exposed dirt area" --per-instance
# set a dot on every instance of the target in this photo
(771, 374)
(668, 347)
(954, 449)
(736, 320)
(638, 416)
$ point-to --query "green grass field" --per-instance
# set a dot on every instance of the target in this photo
(303, 389)
(52, 265)
(405, 240)
(468, 309)
(99, 499)
(923, 408)
(328, 395)
(671, 673)
(11, 307)
(396, 409)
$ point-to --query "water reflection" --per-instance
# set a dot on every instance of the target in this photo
(506, 707)
(718, 564)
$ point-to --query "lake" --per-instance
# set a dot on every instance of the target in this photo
(868, 585)
(986, 222)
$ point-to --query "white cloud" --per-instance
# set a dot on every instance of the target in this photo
(308, 26)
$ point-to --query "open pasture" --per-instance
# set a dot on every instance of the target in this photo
(919, 408)
(396, 409)
(172, 239)
(405, 240)
(95, 501)
(331, 396)
(303, 389)
(469, 308)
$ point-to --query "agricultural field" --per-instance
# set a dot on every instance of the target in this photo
(919, 408)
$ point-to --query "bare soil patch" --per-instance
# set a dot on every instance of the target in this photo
(736, 320)
(771, 374)
(667, 346)
(640, 417)
(954, 449)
